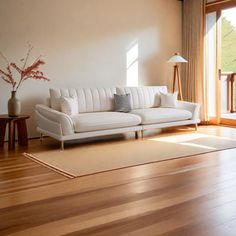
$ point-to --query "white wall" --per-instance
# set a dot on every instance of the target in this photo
(84, 43)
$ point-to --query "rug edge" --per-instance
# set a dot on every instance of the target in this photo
(33, 157)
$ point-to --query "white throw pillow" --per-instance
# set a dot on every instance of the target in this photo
(69, 105)
(169, 99)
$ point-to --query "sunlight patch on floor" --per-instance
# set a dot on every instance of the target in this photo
(180, 138)
(198, 140)
(198, 145)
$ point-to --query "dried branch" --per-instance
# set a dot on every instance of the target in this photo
(27, 56)
(34, 66)
(30, 72)
(5, 79)
(17, 68)
(7, 76)
(5, 59)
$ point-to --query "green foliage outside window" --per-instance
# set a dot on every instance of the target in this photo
(228, 59)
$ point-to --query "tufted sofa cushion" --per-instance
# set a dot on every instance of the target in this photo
(143, 97)
(89, 99)
(162, 115)
(104, 120)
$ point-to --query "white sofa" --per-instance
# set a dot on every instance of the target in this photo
(97, 116)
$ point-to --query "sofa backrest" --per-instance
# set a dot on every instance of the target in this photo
(143, 97)
(89, 99)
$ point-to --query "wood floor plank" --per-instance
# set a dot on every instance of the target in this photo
(195, 195)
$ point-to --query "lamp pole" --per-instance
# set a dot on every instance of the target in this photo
(177, 75)
(177, 59)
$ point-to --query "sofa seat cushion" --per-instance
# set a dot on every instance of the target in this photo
(162, 115)
(103, 120)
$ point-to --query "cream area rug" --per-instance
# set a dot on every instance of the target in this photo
(94, 158)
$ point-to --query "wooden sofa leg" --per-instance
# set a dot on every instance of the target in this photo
(62, 145)
(136, 135)
(196, 127)
(41, 137)
(142, 134)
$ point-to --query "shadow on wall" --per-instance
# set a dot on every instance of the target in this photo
(28, 106)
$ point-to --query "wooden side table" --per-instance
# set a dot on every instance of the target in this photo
(13, 122)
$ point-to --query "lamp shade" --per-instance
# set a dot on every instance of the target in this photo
(177, 59)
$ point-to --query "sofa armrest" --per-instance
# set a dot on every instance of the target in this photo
(53, 121)
(194, 108)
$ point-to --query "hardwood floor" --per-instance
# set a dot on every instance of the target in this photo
(187, 196)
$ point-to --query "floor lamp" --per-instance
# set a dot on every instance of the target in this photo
(177, 59)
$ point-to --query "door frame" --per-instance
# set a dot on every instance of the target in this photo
(218, 6)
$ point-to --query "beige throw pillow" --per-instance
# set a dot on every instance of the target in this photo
(169, 99)
(69, 105)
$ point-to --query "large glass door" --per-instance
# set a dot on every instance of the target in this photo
(212, 68)
(220, 41)
(228, 65)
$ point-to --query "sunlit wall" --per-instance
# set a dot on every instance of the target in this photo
(89, 43)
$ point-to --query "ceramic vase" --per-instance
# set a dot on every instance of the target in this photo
(14, 105)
